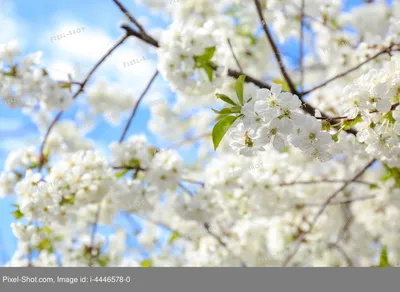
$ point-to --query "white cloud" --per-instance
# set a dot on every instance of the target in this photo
(10, 27)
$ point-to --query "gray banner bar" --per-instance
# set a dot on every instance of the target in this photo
(199, 279)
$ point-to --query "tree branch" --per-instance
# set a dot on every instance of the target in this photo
(81, 88)
(234, 56)
(385, 50)
(275, 49)
(136, 107)
(129, 15)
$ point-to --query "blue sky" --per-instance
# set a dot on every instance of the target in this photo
(33, 23)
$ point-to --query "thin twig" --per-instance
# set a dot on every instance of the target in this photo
(343, 253)
(300, 239)
(186, 190)
(234, 56)
(338, 202)
(135, 168)
(311, 182)
(191, 181)
(81, 88)
(385, 50)
(275, 49)
(136, 107)
(222, 243)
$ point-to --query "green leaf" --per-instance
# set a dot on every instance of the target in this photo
(285, 86)
(204, 61)
(17, 213)
(384, 261)
(209, 53)
(391, 173)
(225, 98)
(146, 263)
(121, 173)
(220, 117)
(66, 85)
(209, 71)
(347, 125)
(228, 110)
(373, 186)
(239, 88)
(46, 244)
(173, 237)
(221, 128)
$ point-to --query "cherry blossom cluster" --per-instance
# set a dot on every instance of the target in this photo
(372, 100)
(186, 59)
(24, 84)
(163, 169)
(273, 116)
(248, 203)
(69, 186)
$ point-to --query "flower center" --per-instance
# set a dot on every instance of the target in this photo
(247, 140)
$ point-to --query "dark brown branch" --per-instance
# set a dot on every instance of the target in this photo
(81, 88)
(300, 239)
(129, 15)
(136, 107)
(131, 32)
(275, 49)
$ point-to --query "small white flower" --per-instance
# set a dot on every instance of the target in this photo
(246, 142)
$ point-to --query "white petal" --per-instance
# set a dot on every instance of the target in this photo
(278, 143)
(263, 94)
(396, 128)
(325, 156)
(276, 89)
(383, 105)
